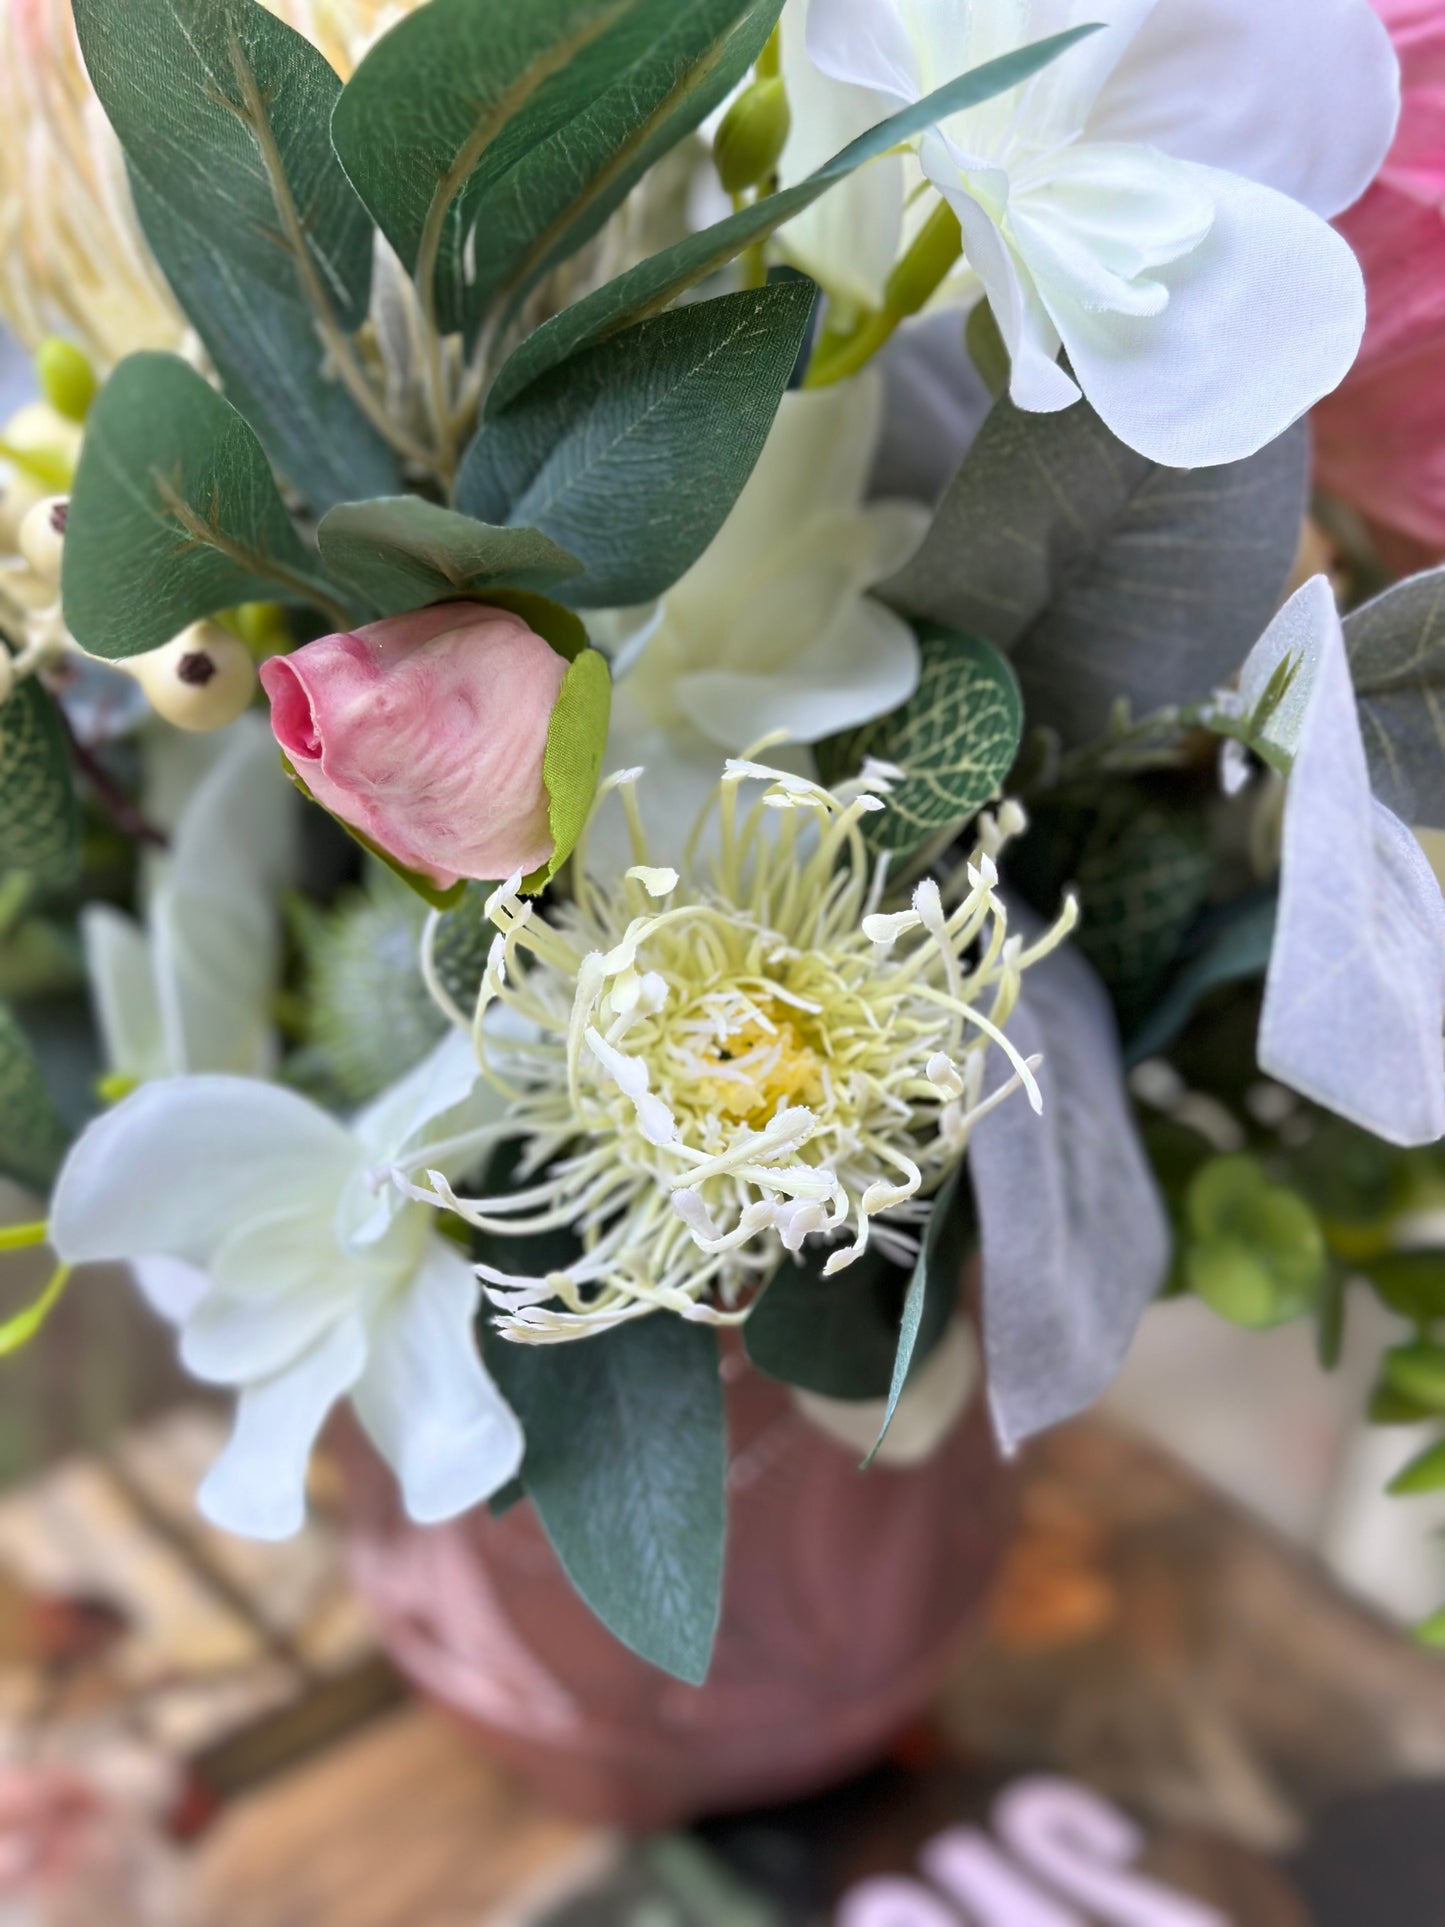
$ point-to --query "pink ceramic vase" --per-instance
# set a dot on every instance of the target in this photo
(846, 1598)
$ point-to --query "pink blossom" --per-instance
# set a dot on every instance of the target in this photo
(1380, 438)
(426, 732)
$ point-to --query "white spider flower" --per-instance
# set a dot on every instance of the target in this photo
(711, 1067)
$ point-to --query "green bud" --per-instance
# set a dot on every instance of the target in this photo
(752, 137)
(1259, 1255)
(262, 626)
(66, 378)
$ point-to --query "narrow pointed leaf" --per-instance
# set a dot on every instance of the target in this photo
(1423, 1474)
(932, 1291)
(837, 1336)
(401, 552)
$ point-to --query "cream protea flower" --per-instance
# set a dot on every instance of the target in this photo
(709, 1069)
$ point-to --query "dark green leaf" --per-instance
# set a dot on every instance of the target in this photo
(1236, 949)
(491, 140)
(1417, 1373)
(461, 945)
(1330, 1320)
(933, 1290)
(39, 820)
(1411, 1283)
(1397, 658)
(626, 1460)
(837, 1336)
(1389, 1407)
(174, 514)
(33, 1137)
(667, 420)
(955, 739)
(1102, 574)
(268, 356)
(657, 282)
(1423, 1474)
(401, 552)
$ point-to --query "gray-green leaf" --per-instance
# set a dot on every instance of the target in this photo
(39, 820)
(33, 1136)
(491, 140)
(1102, 574)
(955, 739)
(626, 1461)
(933, 1289)
(1396, 646)
(657, 282)
(1236, 950)
(668, 419)
(174, 514)
(837, 1336)
(401, 552)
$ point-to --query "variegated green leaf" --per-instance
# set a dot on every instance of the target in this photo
(33, 1136)
(955, 740)
(39, 821)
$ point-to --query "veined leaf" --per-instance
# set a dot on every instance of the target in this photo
(491, 139)
(655, 284)
(626, 1459)
(268, 355)
(174, 515)
(39, 820)
(223, 111)
(401, 552)
(33, 1136)
(1397, 659)
(668, 419)
(955, 739)
(1101, 574)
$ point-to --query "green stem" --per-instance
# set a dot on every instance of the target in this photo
(19, 1330)
(912, 284)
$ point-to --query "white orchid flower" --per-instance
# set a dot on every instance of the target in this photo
(1155, 202)
(1354, 1004)
(274, 1236)
(193, 990)
(773, 629)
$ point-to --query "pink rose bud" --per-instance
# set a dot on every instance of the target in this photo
(426, 732)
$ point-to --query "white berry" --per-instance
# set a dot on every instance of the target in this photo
(203, 679)
(42, 537)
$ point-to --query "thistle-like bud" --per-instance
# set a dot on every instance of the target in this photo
(202, 679)
(41, 539)
(752, 136)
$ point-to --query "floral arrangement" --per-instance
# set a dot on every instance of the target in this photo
(806, 745)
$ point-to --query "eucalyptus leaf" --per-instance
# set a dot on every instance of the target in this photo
(656, 283)
(626, 1462)
(837, 1336)
(39, 818)
(490, 140)
(33, 1136)
(401, 552)
(268, 355)
(1236, 950)
(174, 515)
(955, 740)
(668, 418)
(932, 1296)
(1396, 647)
(1102, 574)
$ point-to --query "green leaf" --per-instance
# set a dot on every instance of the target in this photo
(491, 140)
(39, 818)
(656, 283)
(1411, 1283)
(223, 113)
(955, 739)
(837, 1336)
(1417, 1373)
(933, 1290)
(1102, 574)
(461, 945)
(1423, 1474)
(267, 353)
(1397, 657)
(572, 762)
(174, 514)
(631, 454)
(1389, 1407)
(626, 1460)
(1236, 950)
(402, 552)
(1259, 1258)
(33, 1136)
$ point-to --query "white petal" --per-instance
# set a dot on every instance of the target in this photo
(426, 1400)
(1355, 999)
(277, 1285)
(1074, 1235)
(217, 964)
(170, 1287)
(413, 1107)
(865, 43)
(1299, 95)
(176, 1166)
(861, 665)
(123, 987)
(1264, 318)
(238, 831)
(258, 1485)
